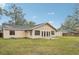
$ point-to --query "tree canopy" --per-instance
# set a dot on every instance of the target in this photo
(16, 15)
(71, 22)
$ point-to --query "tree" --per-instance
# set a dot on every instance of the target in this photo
(1, 11)
(16, 15)
(31, 23)
(72, 22)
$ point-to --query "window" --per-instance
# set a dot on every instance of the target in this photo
(47, 33)
(42, 33)
(37, 32)
(52, 32)
(12, 32)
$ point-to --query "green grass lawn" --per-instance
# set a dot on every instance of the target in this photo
(58, 46)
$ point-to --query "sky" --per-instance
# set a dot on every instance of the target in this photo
(53, 13)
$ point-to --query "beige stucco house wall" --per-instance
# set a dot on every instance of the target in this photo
(45, 28)
(27, 34)
(58, 33)
(18, 34)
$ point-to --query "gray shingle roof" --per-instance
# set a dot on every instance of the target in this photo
(16, 27)
(19, 27)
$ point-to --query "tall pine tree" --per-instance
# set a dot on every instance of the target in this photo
(17, 16)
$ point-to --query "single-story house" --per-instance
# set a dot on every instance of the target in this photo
(44, 30)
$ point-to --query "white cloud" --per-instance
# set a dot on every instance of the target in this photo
(51, 13)
(2, 5)
(34, 17)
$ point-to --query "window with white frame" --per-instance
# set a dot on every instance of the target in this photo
(52, 32)
(37, 32)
